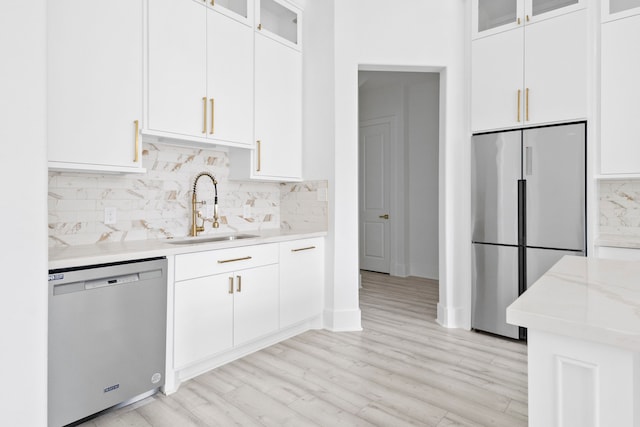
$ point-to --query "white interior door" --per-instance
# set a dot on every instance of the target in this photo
(375, 140)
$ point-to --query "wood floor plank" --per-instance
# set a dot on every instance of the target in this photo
(402, 369)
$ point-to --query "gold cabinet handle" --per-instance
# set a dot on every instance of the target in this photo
(230, 285)
(259, 155)
(224, 261)
(137, 141)
(213, 3)
(519, 91)
(526, 101)
(303, 249)
(259, 26)
(527, 18)
(213, 118)
(239, 289)
(385, 216)
(518, 21)
(204, 115)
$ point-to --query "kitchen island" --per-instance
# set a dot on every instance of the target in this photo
(583, 320)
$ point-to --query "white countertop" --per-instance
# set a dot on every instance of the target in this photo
(102, 253)
(586, 298)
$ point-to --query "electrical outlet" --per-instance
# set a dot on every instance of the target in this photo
(110, 216)
(246, 211)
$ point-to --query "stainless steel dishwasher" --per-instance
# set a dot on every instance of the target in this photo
(107, 328)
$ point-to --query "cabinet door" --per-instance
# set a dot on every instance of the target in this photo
(620, 92)
(556, 69)
(203, 318)
(278, 109)
(230, 79)
(177, 81)
(536, 10)
(493, 16)
(280, 22)
(255, 303)
(496, 82)
(94, 83)
(616, 9)
(301, 280)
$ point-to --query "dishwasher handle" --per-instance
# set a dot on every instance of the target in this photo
(67, 288)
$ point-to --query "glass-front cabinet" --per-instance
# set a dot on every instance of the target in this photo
(280, 21)
(241, 10)
(495, 16)
(616, 9)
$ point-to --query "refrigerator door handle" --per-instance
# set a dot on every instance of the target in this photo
(522, 212)
(528, 160)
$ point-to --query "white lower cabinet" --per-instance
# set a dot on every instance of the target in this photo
(301, 280)
(203, 318)
(230, 302)
(233, 302)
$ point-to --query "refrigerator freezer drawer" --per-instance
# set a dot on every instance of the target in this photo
(495, 287)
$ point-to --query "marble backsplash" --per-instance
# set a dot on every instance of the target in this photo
(619, 207)
(157, 204)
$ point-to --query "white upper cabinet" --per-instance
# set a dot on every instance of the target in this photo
(200, 76)
(620, 94)
(236, 9)
(177, 75)
(496, 81)
(278, 103)
(494, 16)
(277, 154)
(229, 79)
(616, 9)
(555, 78)
(280, 21)
(94, 85)
(533, 73)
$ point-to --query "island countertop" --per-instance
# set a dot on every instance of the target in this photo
(586, 298)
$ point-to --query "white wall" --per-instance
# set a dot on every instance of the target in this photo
(413, 99)
(23, 209)
(319, 131)
(422, 167)
(428, 36)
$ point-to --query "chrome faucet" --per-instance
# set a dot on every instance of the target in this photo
(195, 228)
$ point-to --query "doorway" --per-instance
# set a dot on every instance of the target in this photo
(398, 172)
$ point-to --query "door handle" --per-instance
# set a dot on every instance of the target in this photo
(385, 216)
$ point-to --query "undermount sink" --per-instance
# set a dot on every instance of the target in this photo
(193, 240)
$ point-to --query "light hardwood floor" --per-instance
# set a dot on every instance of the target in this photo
(402, 369)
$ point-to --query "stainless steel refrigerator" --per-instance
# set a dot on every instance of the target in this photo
(528, 211)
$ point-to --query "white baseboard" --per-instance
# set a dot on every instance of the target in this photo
(452, 317)
(343, 320)
(178, 376)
